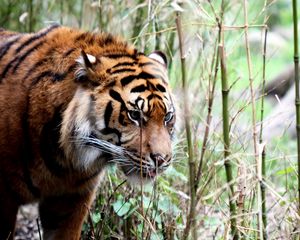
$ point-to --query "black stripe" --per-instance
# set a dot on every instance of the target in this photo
(108, 131)
(161, 88)
(122, 70)
(107, 39)
(129, 79)
(140, 88)
(155, 69)
(67, 53)
(35, 67)
(7, 67)
(40, 62)
(137, 103)
(122, 119)
(7, 46)
(131, 104)
(149, 108)
(146, 76)
(115, 95)
(86, 37)
(50, 147)
(107, 113)
(146, 64)
(90, 40)
(26, 54)
(153, 95)
(111, 84)
(70, 70)
(127, 141)
(86, 81)
(41, 76)
(120, 55)
(151, 86)
(82, 36)
(123, 64)
(56, 77)
(162, 105)
(28, 154)
(36, 37)
(143, 104)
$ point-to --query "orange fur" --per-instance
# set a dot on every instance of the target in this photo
(69, 101)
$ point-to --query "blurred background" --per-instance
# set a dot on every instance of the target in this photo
(191, 200)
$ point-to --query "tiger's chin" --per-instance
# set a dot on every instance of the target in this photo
(139, 178)
(135, 179)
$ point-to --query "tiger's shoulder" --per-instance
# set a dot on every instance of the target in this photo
(56, 47)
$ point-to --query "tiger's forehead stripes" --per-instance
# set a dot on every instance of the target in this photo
(123, 64)
(150, 81)
(148, 101)
(137, 63)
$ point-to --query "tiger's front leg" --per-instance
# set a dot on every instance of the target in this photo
(62, 216)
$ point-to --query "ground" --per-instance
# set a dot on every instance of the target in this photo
(27, 227)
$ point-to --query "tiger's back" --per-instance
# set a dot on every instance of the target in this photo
(71, 102)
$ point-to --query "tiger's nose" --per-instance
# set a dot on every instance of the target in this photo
(157, 158)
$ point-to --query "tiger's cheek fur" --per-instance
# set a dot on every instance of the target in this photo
(78, 123)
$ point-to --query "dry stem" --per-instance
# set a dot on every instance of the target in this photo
(191, 223)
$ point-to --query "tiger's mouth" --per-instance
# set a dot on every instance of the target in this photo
(141, 172)
(132, 164)
(134, 168)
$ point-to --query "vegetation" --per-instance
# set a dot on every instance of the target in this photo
(226, 181)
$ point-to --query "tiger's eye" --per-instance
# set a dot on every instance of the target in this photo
(134, 115)
(168, 117)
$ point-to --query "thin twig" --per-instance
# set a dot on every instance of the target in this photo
(141, 171)
(297, 93)
(39, 230)
(191, 223)
(211, 91)
(263, 153)
(253, 108)
(61, 11)
(30, 20)
(227, 163)
(106, 207)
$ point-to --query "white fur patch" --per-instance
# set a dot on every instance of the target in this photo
(76, 119)
(157, 57)
(90, 57)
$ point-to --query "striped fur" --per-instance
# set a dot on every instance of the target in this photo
(72, 102)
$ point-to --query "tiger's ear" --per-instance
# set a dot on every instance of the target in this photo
(159, 57)
(85, 72)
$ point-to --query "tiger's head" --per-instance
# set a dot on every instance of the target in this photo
(122, 112)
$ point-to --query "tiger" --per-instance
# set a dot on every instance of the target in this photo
(73, 102)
